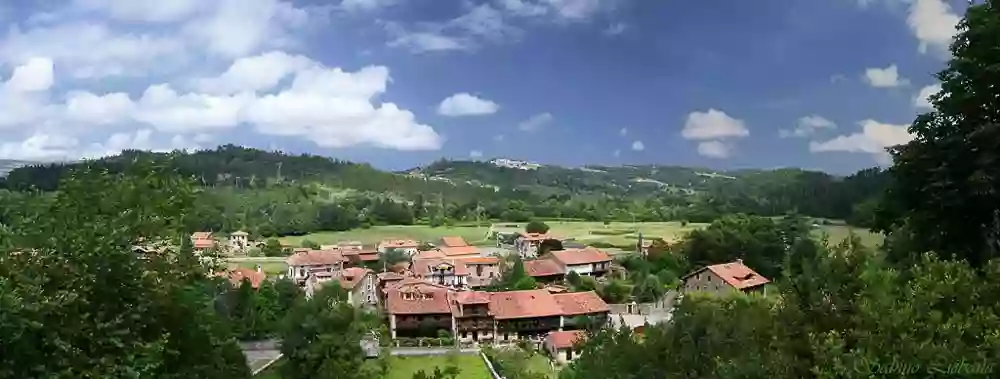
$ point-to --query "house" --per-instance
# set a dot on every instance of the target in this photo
(544, 270)
(589, 261)
(724, 277)
(526, 314)
(359, 257)
(202, 240)
(527, 243)
(473, 319)
(359, 283)
(453, 242)
(405, 245)
(385, 280)
(350, 245)
(418, 309)
(239, 241)
(306, 261)
(237, 275)
(561, 344)
(458, 273)
(459, 251)
(579, 308)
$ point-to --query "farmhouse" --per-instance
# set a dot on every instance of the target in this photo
(306, 261)
(587, 261)
(202, 240)
(527, 243)
(725, 277)
(560, 345)
(237, 275)
(458, 273)
(405, 245)
(544, 270)
(417, 308)
(359, 283)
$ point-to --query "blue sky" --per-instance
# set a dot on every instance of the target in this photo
(823, 84)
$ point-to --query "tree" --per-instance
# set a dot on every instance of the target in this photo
(759, 241)
(947, 178)
(449, 372)
(536, 227)
(310, 244)
(273, 248)
(322, 339)
(80, 302)
(550, 244)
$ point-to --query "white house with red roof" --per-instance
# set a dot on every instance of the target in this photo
(587, 261)
(408, 246)
(561, 344)
(724, 277)
(359, 283)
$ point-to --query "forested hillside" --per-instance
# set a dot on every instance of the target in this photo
(273, 193)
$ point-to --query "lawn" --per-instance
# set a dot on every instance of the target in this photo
(471, 366)
(540, 364)
(375, 234)
(270, 268)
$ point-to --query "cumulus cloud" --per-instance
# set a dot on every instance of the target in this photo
(535, 122)
(638, 146)
(712, 128)
(934, 24)
(884, 77)
(923, 98)
(807, 126)
(464, 104)
(713, 124)
(874, 138)
(623, 132)
(615, 29)
(181, 72)
(714, 149)
(475, 154)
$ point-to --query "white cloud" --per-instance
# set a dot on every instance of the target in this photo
(523, 7)
(623, 132)
(256, 73)
(464, 104)
(577, 9)
(90, 109)
(934, 24)
(714, 149)
(807, 126)
(47, 147)
(713, 124)
(638, 146)
(535, 122)
(873, 138)
(922, 99)
(35, 75)
(365, 5)
(617, 153)
(475, 154)
(143, 11)
(498, 138)
(884, 77)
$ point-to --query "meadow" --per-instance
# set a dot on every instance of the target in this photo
(471, 366)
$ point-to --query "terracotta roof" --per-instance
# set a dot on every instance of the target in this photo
(399, 243)
(580, 256)
(425, 298)
(315, 258)
(564, 339)
(580, 303)
(429, 254)
(534, 236)
(422, 267)
(479, 260)
(453, 242)
(329, 247)
(237, 275)
(350, 277)
(387, 276)
(367, 257)
(203, 243)
(459, 250)
(737, 275)
(542, 268)
(472, 297)
(201, 235)
(523, 304)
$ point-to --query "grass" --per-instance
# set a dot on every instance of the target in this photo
(471, 366)
(540, 364)
(270, 268)
(375, 234)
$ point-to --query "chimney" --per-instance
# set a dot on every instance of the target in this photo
(260, 269)
(739, 260)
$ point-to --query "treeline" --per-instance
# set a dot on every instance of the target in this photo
(271, 193)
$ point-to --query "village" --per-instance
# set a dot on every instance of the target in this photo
(439, 292)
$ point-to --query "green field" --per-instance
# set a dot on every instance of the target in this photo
(270, 268)
(471, 366)
(378, 233)
(615, 233)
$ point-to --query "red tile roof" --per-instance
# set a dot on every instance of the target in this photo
(479, 260)
(237, 275)
(459, 251)
(315, 258)
(453, 241)
(201, 235)
(350, 277)
(203, 243)
(534, 236)
(580, 256)
(737, 274)
(542, 268)
(389, 276)
(523, 304)
(429, 254)
(398, 244)
(423, 267)
(472, 297)
(580, 303)
(564, 339)
(424, 298)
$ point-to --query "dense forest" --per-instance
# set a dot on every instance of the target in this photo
(272, 193)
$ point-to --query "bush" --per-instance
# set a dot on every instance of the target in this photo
(537, 227)
(610, 232)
